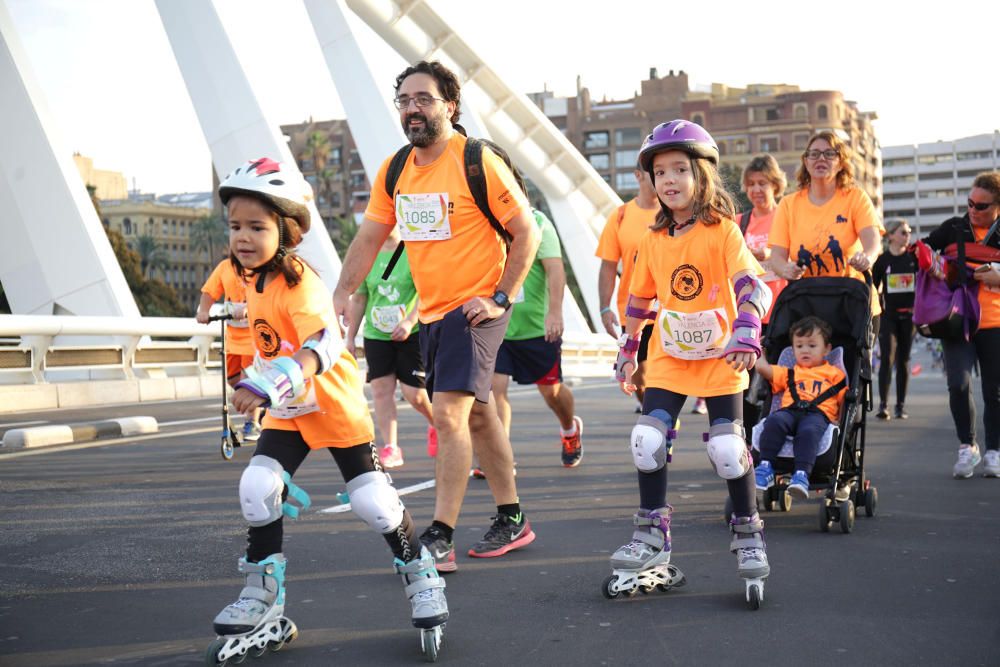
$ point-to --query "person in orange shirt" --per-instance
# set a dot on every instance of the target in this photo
(830, 221)
(814, 392)
(466, 277)
(311, 386)
(696, 264)
(224, 282)
(616, 248)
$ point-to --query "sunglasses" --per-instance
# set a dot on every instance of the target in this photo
(981, 206)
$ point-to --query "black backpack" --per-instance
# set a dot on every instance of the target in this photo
(474, 176)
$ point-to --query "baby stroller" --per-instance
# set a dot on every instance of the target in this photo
(845, 303)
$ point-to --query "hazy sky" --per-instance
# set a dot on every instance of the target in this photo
(116, 95)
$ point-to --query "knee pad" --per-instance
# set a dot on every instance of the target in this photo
(375, 500)
(260, 491)
(652, 439)
(727, 450)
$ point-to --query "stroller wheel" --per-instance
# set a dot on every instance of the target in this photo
(824, 515)
(871, 501)
(847, 516)
(784, 500)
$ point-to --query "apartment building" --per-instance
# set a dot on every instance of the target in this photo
(929, 183)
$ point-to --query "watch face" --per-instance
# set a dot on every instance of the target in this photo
(501, 300)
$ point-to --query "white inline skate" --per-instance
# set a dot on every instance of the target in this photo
(751, 557)
(644, 563)
(255, 622)
(425, 590)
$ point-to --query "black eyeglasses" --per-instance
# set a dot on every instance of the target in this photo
(422, 101)
(980, 206)
(829, 154)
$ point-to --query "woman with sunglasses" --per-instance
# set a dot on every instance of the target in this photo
(830, 222)
(894, 275)
(979, 225)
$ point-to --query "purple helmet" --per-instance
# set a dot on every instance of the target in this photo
(680, 135)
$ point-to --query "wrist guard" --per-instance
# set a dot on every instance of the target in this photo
(279, 381)
(746, 336)
(628, 348)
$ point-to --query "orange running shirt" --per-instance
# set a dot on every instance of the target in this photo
(989, 297)
(620, 243)
(449, 271)
(691, 276)
(810, 383)
(224, 281)
(824, 237)
(758, 231)
(281, 318)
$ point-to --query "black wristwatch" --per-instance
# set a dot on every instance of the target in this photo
(501, 299)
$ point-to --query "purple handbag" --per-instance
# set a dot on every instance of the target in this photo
(945, 312)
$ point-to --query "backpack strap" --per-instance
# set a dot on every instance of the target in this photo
(392, 174)
(745, 221)
(476, 178)
(797, 402)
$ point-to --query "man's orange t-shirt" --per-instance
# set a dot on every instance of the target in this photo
(989, 297)
(810, 383)
(823, 238)
(757, 234)
(620, 242)
(281, 319)
(448, 272)
(224, 281)
(691, 276)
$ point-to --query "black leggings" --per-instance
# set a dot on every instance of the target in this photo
(894, 341)
(653, 485)
(289, 449)
(959, 359)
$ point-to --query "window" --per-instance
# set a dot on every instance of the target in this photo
(307, 165)
(599, 161)
(335, 200)
(698, 118)
(905, 178)
(934, 159)
(800, 140)
(770, 144)
(897, 162)
(800, 111)
(358, 181)
(628, 136)
(625, 182)
(946, 210)
(626, 159)
(937, 194)
(975, 155)
(740, 147)
(822, 112)
(335, 156)
(595, 140)
(893, 196)
(772, 114)
(127, 227)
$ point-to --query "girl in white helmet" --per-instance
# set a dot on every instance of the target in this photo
(313, 394)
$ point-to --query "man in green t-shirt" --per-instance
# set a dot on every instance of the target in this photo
(392, 347)
(531, 351)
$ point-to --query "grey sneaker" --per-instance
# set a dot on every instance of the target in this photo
(991, 463)
(968, 459)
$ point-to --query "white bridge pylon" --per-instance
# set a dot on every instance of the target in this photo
(580, 200)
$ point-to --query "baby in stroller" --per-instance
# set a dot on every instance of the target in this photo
(814, 392)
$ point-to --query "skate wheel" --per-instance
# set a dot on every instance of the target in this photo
(212, 653)
(226, 449)
(608, 587)
(754, 596)
(847, 516)
(430, 642)
(239, 657)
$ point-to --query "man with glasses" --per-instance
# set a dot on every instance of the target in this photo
(466, 277)
(981, 226)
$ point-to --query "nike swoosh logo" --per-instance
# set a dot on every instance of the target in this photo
(441, 554)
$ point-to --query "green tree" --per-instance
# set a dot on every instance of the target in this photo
(345, 228)
(209, 233)
(732, 178)
(151, 255)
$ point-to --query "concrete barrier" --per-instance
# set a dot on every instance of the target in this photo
(41, 436)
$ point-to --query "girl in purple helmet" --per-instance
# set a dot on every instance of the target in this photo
(707, 334)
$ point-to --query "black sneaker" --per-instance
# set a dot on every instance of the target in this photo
(506, 534)
(440, 548)
(883, 413)
(901, 412)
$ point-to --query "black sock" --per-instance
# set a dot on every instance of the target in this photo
(513, 510)
(403, 541)
(445, 529)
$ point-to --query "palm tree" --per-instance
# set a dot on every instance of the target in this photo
(318, 150)
(151, 255)
(209, 233)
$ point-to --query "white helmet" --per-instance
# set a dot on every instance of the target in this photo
(272, 182)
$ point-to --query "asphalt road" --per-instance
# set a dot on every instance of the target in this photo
(122, 552)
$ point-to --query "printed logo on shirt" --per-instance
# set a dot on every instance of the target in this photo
(270, 341)
(505, 197)
(841, 219)
(686, 282)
